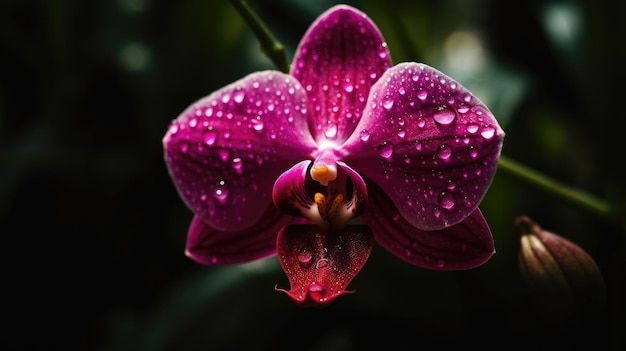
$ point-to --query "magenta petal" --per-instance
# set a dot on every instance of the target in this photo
(359, 189)
(465, 245)
(225, 151)
(429, 143)
(339, 58)
(321, 265)
(209, 246)
(290, 194)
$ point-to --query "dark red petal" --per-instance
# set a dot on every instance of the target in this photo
(321, 265)
(210, 246)
(465, 245)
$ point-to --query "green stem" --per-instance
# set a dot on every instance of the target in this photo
(575, 196)
(271, 47)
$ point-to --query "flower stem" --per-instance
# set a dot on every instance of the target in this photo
(271, 47)
(575, 196)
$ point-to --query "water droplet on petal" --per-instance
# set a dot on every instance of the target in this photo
(321, 263)
(305, 256)
(422, 95)
(488, 133)
(226, 98)
(237, 165)
(451, 184)
(444, 115)
(385, 149)
(210, 137)
(316, 288)
(462, 108)
(388, 104)
(193, 123)
(221, 192)
(257, 124)
(239, 95)
(446, 200)
(472, 128)
(444, 152)
(173, 128)
(348, 87)
(473, 153)
(331, 130)
(365, 135)
(224, 154)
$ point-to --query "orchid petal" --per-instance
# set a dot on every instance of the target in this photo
(225, 151)
(321, 265)
(210, 246)
(465, 245)
(294, 193)
(338, 60)
(290, 194)
(358, 203)
(429, 143)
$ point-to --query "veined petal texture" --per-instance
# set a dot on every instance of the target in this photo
(465, 245)
(338, 60)
(225, 151)
(430, 144)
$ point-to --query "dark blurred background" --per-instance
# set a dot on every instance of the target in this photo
(93, 231)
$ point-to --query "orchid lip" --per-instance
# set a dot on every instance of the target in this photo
(320, 265)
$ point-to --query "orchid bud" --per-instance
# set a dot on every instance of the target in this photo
(565, 281)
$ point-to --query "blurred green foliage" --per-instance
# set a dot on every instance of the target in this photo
(93, 230)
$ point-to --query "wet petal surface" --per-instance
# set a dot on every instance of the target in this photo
(225, 151)
(465, 245)
(429, 143)
(338, 60)
(321, 265)
(209, 246)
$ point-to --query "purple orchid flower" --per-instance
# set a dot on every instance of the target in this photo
(284, 163)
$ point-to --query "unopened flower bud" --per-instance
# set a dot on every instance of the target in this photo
(565, 281)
